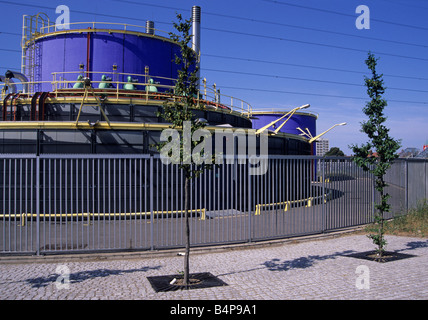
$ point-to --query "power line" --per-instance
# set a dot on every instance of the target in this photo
(312, 43)
(79, 11)
(306, 66)
(277, 24)
(26, 5)
(315, 94)
(10, 50)
(11, 33)
(306, 79)
(150, 5)
(226, 31)
(319, 30)
(10, 68)
(344, 14)
(407, 4)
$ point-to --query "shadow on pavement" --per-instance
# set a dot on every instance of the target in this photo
(302, 262)
(298, 263)
(81, 276)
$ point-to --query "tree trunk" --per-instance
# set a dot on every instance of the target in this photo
(187, 228)
(381, 231)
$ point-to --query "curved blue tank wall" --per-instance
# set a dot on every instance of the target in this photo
(129, 51)
(301, 120)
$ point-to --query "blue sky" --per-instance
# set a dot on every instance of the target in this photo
(284, 53)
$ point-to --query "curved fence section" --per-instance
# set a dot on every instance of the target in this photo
(85, 203)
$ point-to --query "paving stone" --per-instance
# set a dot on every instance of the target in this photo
(316, 269)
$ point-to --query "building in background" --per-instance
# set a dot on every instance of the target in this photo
(409, 153)
(423, 154)
(322, 146)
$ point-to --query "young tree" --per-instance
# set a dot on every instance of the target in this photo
(379, 142)
(179, 114)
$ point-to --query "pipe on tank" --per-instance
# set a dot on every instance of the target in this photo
(88, 54)
(20, 76)
(150, 27)
(196, 34)
(11, 85)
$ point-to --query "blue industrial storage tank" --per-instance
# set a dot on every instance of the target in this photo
(95, 52)
(301, 120)
(111, 74)
(290, 124)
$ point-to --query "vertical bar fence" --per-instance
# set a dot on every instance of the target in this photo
(92, 203)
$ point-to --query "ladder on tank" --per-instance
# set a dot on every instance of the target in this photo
(32, 26)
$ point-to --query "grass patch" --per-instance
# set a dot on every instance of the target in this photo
(414, 224)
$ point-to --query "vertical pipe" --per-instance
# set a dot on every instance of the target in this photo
(88, 53)
(150, 28)
(196, 38)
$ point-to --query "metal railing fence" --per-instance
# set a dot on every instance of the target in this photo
(159, 90)
(87, 203)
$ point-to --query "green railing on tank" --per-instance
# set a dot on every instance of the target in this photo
(69, 83)
(73, 26)
(149, 89)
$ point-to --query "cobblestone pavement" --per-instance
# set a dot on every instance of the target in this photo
(315, 269)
